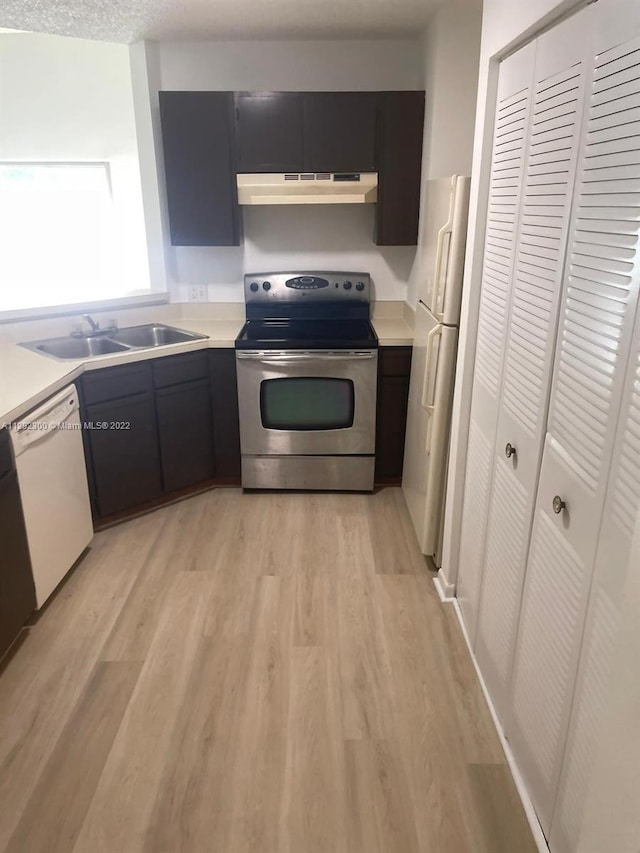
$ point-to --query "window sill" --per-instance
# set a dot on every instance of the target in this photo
(158, 297)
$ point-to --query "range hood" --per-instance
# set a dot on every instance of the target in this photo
(309, 188)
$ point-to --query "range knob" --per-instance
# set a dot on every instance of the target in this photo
(253, 286)
(347, 285)
(360, 285)
(266, 285)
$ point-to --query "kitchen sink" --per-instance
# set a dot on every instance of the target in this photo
(79, 347)
(150, 336)
(153, 335)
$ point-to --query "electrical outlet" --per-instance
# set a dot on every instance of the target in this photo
(198, 293)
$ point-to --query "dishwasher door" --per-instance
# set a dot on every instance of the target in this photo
(53, 484)
(17, 594)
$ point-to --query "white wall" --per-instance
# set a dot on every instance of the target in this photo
(506, 24)
(291, 237)
(295, 65)
(451, 53)
(451, 59)
(70, 99)
(145, 79)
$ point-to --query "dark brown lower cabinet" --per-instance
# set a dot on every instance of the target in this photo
(185, 430)
(159, 427)
(125, 457)
(394, 369)
(168, 424)
(225, 414)
(17, 591)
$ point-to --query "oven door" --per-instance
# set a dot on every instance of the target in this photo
(307, 403)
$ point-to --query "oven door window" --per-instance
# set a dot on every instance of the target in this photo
(307, 403)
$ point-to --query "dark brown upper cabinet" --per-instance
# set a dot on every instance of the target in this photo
(340, 132)
(199, 163)
(210, 136)
(269, 131)
(400, 128)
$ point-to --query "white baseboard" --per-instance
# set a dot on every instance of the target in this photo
(446, 590)
(521, 787)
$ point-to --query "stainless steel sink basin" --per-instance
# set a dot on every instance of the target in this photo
(79, 347)
(153, 335)
(149, 336)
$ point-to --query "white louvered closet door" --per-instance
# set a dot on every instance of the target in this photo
(507, 170)
(550, 173)
(598, 306)
(596, 658)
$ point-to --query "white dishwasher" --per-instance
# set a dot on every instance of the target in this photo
(50, 464)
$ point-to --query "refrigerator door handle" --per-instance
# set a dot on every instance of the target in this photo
(436, 332)
(427, 402)
(443, 233)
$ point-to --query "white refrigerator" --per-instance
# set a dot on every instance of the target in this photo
(435, 344)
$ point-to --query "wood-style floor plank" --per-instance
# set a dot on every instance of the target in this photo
(313, 815)
(256, 779)
(192, 806)
(123, 802)
(173, 551)
(493, 794)
(252, 672)
(381, 818)
(41, 683)
(57, 808)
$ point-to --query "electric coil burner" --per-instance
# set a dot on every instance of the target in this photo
(307, 374)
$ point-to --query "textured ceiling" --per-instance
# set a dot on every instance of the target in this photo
(129, 20)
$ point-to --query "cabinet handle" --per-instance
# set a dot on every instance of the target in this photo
(509, 450)
(558, 504)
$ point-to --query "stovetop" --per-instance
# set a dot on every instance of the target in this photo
(307, 310)
(310, 334)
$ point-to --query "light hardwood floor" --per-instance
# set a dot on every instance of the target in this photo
(260, 673)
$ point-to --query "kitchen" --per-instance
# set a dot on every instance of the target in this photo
(328, 622)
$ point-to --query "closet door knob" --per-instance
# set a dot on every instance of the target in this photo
(509, 450)
(558, 504)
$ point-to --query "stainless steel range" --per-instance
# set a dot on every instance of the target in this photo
(307, 363)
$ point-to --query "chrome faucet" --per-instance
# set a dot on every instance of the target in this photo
(93, 323)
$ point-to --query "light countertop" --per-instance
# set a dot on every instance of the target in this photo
(28, 378)
(393, 332)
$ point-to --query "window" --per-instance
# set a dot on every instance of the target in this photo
(57, 234)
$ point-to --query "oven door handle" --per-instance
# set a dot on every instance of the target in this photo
(293, 358)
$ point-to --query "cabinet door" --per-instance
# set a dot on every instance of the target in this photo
(511, 132)
(197, 137)
(598, 306)
(185, 430)
(400, 131)
(269, 131)
(225, 414)
(124, 453)
(17, 592)
(394, 368)
(340, 132)
(613, 564)
(547, 194)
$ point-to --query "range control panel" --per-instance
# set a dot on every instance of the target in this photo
(349, 287)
